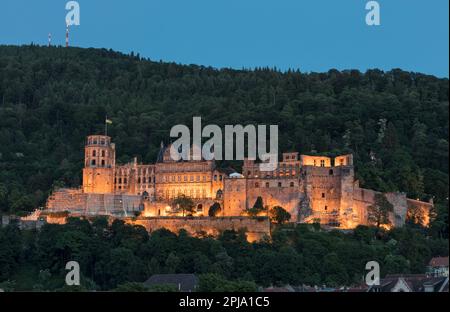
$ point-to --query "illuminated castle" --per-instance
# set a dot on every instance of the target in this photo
(310, 188)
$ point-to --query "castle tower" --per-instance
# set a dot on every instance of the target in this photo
(100, 161)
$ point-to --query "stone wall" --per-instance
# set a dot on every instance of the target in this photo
(79, 203)
(256, 228)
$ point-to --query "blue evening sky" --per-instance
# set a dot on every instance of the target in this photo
(312, 35)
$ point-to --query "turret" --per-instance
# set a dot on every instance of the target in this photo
(99, 163)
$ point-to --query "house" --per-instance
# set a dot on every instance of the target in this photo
(438, 267)
(411, 283)
(183, 282)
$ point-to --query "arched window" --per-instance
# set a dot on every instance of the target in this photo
(94, 153)
(103, 153)
(291, 184)
(267, 184)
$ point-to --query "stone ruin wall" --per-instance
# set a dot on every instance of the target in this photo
(255, 228)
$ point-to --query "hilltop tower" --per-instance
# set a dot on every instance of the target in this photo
(99, 164)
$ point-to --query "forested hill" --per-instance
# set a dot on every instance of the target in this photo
(395, 123)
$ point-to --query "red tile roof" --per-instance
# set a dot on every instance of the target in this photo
(439, 262)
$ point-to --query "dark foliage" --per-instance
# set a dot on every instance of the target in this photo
(396, 122)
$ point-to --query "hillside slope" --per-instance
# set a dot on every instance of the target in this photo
(396, 123)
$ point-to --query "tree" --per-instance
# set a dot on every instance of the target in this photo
(183, 203)
(131, 287)
(279, 215)
(378, 212)
(216, 283)
(214, 210)
(257, 208)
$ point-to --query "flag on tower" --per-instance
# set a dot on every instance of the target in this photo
(108, 121)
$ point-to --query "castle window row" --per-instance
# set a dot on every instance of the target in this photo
(96, 141)
(93, 163)
(188, 178)
(174, 193)
(99, 153)
(268, 184)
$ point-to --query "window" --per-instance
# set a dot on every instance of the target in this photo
(220, 178)
(331, 172)
(103, 154)
(120, 180)
(279, 184)
(323, 195)
(341, 161)
(291, 184)
(125, 180)
(326, 208)
(139, 180)
(215, 177)
(314, 162)
(256, 185)
(267, 184)
(103, 162)
(199, 208)
(94, 153)
(93, 162)
(322, 163)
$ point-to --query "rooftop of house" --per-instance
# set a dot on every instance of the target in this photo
(439, 262)
(415, 282)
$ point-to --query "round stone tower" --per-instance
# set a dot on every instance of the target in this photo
(99, 163)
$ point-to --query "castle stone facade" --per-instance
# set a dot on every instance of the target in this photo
(311, 188)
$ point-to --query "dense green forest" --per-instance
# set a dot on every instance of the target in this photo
(395, 123)
(117, 255)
